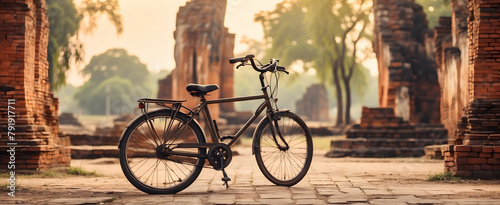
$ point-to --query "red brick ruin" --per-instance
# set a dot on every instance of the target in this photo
(408, 118)
(203, 47)
(468, 51)
(463, 55)
(24, 34)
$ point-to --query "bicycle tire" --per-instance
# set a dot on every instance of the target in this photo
(139, 144)
(284, 167)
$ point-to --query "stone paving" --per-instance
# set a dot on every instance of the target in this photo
(329, 181)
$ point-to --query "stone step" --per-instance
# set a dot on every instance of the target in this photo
(93, 140)
(24, 142)
(93, 152)
(377, 152)
(434, 151)
(355, 143)
(398, 133)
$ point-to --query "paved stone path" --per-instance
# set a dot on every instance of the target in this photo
(329, 181)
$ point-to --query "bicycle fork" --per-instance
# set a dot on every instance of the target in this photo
(276, 130)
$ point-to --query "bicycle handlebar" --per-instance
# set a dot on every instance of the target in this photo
(269, 67)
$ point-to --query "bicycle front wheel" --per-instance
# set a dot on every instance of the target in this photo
(145, 152)
(283, 166)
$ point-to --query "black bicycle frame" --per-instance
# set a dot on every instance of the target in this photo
(214, 133)
(203, 106)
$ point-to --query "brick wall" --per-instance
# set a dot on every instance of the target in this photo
(381, 118)
(452, 57)
(484, 39)
(477, 161)
(474, 151)
(23, 65)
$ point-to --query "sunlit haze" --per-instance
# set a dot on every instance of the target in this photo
(149, 26)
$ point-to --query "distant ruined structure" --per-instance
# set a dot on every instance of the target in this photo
(203, 47)
(24, 34)
(408, 118)
(313, 106)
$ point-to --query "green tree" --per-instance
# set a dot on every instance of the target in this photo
(435, 9)
(325, 33)
(65, 22)
(115, 73)
(337, 27)
(93, 98)
(286, 34)
(66, 100)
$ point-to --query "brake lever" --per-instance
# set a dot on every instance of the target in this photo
(286, 72)
(240, 65)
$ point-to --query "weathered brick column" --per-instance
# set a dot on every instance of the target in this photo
(476, 149)
(452, 58)
(407, 73)
(23, 65)
(203, 47)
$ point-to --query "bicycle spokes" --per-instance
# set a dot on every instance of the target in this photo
(284, 166)
(149, 159)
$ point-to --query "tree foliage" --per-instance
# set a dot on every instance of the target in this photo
(115, 73)
(286, 33)
(65, 22)
(323, 34)
(435, 9)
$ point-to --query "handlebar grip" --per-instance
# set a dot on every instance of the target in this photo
(241, 59)
(282, 69)
(236, 60)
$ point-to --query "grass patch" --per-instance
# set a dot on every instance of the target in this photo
(3, 187)
(109, 200)
(446, 176)
(75, 171)
(79, 171)
(50, 174)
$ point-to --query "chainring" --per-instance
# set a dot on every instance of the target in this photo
(217, 152)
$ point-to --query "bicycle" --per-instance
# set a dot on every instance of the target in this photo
(163, 151)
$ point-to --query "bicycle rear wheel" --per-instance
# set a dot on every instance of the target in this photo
(144, 156)
(284, 167)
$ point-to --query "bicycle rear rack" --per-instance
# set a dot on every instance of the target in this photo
(172, 104)
(160, 101)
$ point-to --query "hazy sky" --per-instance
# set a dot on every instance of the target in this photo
(149, 26)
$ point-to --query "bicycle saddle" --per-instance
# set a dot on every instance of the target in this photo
(200, 90)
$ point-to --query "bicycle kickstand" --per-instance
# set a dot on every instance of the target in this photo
(225, 178)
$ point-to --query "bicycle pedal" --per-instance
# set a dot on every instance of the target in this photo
(225, 137)
(226, 180)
